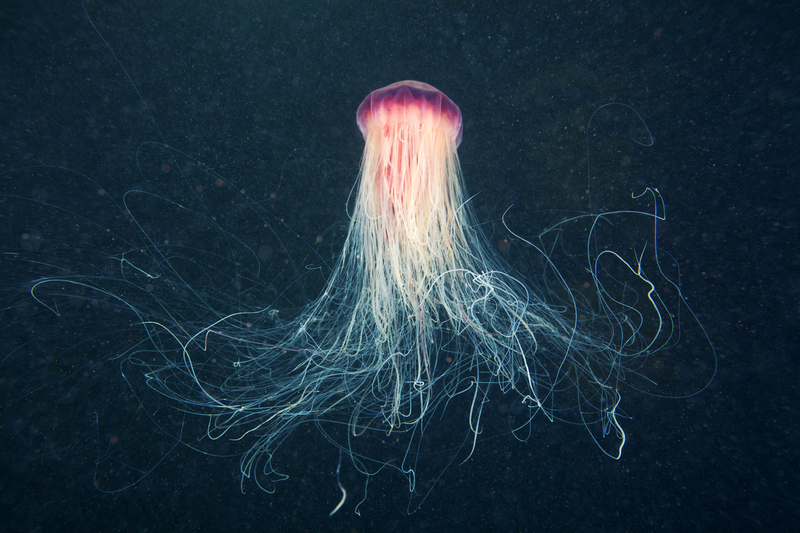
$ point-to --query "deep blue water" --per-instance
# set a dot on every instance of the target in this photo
(265, 95)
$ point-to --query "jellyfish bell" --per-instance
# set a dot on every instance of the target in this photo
(409, 103)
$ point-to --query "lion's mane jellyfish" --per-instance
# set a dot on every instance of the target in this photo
(419, 322)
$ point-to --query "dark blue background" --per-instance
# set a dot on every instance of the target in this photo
(246, 87)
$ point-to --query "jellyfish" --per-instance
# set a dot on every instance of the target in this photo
(420, 323)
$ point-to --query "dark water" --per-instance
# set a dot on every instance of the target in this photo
(265, 95)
